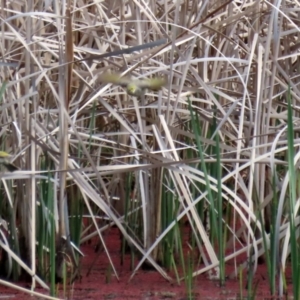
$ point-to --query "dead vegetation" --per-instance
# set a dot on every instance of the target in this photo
(77, 139)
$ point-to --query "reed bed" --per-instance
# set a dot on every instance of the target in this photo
(215, 150)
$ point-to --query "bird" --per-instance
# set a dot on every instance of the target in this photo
(134, 87)
(4, 160)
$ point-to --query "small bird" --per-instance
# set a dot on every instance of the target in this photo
(134, 87)
(4, 160)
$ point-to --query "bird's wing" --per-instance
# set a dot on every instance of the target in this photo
(154, 84)
(114, 79)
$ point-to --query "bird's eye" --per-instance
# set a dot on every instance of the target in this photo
(131, 88)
